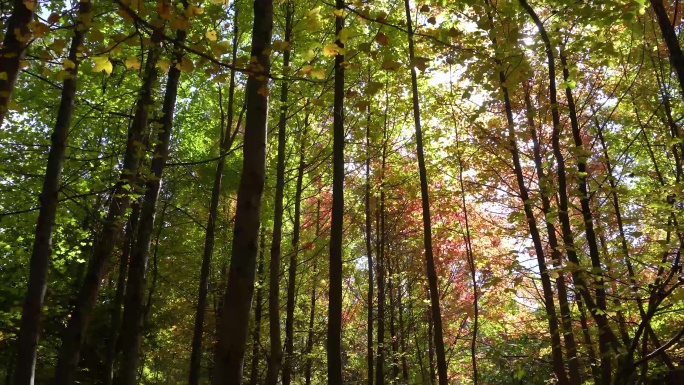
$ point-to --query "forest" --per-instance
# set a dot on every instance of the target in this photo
(336, 192)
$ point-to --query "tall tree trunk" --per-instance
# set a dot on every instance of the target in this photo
(114, 343)
(256, 335)
(393, 333)
(402, 340)
(11, 52)
(312, 309)
(210, 234)
(566, 317)
(334, 343)
(276, 356)
(427, 221)
(547, 289)
(369, 252)
(232, 339)
(133, 314)
(605, 340)
(431, 346)
(77, 326)
(292, 270)
(380, 265)
(671, 39)
(596, 308)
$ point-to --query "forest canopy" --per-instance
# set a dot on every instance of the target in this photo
(331, 192)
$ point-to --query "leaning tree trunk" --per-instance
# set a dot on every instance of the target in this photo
(427, 221)
(134, 308)
(29, 331)
(77, 326)
(12, 52)
(276, 358)
(334, 344)
(210, 234)
(237, 302)
(671, 39)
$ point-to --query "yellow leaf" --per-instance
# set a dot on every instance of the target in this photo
(3, 75)
(193, 10)
(280, 45)
(186, 65)
(339, 13)
(38, 29)
(211, 35)
(222, 2)
(331, 50)
(344, 35)
(164, 64)
(309, 56)
(30, 5)
(68, 64)
(102, 63)
(132, 63)
(318, 73)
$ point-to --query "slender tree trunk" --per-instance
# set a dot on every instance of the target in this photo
(312, 307)
(671, 39)
(276, 356)
(427, 222)
(334, 343)
(605, 341)
(566, 318)
(402, 339)
(596, 308)
(10, 53)
(380, 265)
(114, 343)
(133, 315)
(210, 235)
(232, 339)
(78, 323)
(593, 361)
(547, 289)
(292, 271)
(369, 252)
(393, 333)
(431, 346)
(256, 335)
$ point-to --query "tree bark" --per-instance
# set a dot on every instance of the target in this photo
(427, 221)
(232, 338)
(596, 308)
(671, 39)
(380, 266)
(292, 270)
(369, 252)
(566, 317)
(134, 309)
(312, 307)
(210, 234)
(276, 357)
(334, 343)
(256, 335)
(73, 337)
(114, 343)
(12, 51)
